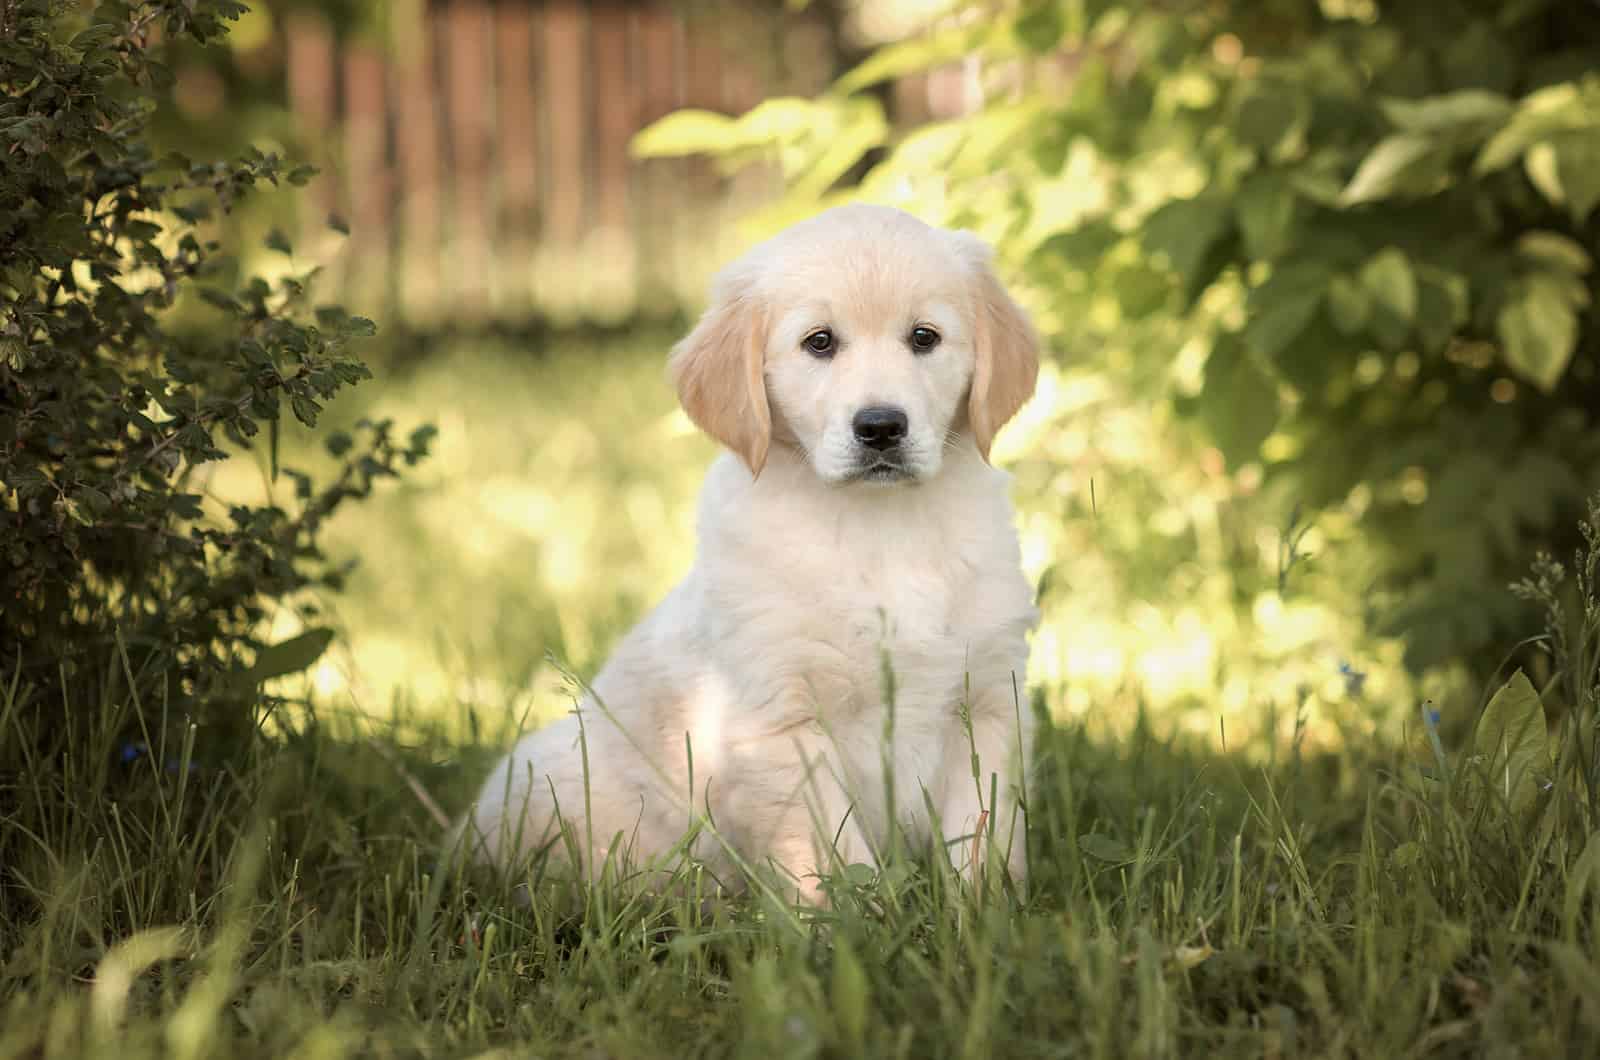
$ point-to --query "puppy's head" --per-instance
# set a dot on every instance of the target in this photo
(864, 339)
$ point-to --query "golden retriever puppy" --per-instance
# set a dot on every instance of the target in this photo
(848, 650)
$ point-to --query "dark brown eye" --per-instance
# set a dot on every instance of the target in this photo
(924, 339)
(820, 343)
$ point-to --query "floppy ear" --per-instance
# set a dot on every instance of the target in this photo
(718, 372)
(1008, 350)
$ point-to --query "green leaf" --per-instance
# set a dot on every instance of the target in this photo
(1265, 206)
(1578, 169)
(290, 656)
(1238, 403)
(1391, 289)
(1281, 321)
(686, 132)
(1555, 250)
(1106, 848)
(1511, 740)
(1184, 230)
(1540, 115)
(305, 409)
(1349, 306)
(1402, 164)
(1040, 26)
(1391, 284)
(1266, 116)
(1451, 111)
(276, 240)
(919, 53)
(1443, 305)
(1538, 327)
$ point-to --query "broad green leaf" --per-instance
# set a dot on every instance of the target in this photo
(1391, 284)
(1540, 165)
(1450, 111)
(1555, 250)
(1281, 321)
(1349, 305)
(1538, 327)
(1040, 25)
(1395, 166)
(1443, 304)
(685, 132)
(1238, 403)
(1265, 206)
(1578, 168)
(1184, 230)
(290, 656)
(1140, 290)
(1512, 741)
(1540, 115)
(1266, 115)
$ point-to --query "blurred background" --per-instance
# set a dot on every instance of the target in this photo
(1228, 541)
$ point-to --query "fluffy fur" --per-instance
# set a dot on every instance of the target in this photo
(821, 563)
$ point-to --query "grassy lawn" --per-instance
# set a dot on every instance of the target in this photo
(1281, 897)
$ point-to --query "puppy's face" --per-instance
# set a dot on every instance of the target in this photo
(864, 339)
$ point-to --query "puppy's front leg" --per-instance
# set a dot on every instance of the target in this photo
(981, 816)
(814, 830)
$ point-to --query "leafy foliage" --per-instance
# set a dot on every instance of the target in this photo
(111, 404)
(1374, 233)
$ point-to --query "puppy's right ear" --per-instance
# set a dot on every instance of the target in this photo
(718, 370)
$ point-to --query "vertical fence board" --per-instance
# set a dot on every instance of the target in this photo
(414, 90)
(658, 182)
(517, 146)
(470, 99)
(367, 182)
(312, 88)
(567, 100)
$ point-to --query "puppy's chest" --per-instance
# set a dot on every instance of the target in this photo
(913, 610)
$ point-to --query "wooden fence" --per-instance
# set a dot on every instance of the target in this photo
(481, 160)
(480, 155)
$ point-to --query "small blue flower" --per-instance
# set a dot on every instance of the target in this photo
(1354, 680)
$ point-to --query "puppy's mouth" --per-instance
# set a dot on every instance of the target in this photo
(883, 469)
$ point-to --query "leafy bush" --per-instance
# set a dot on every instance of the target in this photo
(128, 361)
(1350, 244)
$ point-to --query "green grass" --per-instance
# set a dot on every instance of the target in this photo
(1268, 900)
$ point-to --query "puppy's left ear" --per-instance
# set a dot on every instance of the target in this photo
(1008, 349)
(719, 370)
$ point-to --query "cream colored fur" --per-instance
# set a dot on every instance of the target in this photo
(769, 657)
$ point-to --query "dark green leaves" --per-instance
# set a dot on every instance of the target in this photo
(116, 404)
(1182, 234)
(1239, 402)
(288, 657)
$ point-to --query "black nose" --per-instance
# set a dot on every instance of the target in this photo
(880, 427)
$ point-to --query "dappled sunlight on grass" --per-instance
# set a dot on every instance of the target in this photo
(556, 507)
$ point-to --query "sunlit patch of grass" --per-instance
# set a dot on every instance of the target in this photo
(557, 505)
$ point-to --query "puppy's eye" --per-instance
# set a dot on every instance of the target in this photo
(820, 343)
(924, 339)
